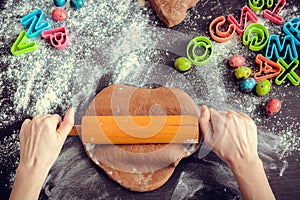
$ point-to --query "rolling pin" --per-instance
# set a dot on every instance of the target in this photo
(138, 129)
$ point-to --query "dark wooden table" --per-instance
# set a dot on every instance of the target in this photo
(74, 176)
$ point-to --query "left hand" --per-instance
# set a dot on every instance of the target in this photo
(42, 138)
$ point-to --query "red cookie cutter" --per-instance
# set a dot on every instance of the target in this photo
(246, 15)
(273, 15)
(267, 68)
(58, 37)
(215, 30)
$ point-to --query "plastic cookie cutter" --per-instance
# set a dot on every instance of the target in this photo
(199, 50)
(256, 37)
(288, 71)
(246, 15)
(258, 5)
(21, 47)
(58, 37)
(292, 27)
(273, 15)
(34, 21)
(267, 68)
(287, 49)
(215, 30)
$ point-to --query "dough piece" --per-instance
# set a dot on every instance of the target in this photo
(142, 167)
(172, 12)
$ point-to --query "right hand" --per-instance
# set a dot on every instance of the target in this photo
(232, 136)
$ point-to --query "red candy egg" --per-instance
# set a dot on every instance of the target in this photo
(59, 14)
(273, 106)
(236, 61)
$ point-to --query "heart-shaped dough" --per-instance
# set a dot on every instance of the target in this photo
(142, 167)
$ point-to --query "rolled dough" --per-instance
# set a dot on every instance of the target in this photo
(140, 167)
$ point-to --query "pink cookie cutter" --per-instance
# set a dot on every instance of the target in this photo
(246, 15)
(273, 15)
(58, 37)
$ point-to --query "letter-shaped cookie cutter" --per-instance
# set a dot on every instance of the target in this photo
(200, 45)
(287, 49)
(292, 27)
(269, 68)
(258, 5)
(256, 37)
(20, 46)
(273, 15)
(34, 21)
(58, 37)
(217, 34)
(246, 15)
(288, 71)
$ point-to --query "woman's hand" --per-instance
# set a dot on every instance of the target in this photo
(233, 137)
(41, 140)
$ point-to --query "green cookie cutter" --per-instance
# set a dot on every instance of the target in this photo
(198, 45)
(288, 71)
(256, 37)
(21, 47)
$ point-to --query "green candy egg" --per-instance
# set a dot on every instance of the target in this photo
(182, 64)
(263, 87)
(242, 72)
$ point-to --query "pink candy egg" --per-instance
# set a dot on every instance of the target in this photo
(59, 14)
(273, 106)
(236, 61)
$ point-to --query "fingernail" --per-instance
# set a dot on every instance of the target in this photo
(203, 108)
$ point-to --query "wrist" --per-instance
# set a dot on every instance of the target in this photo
(33, 170)
(243, 167)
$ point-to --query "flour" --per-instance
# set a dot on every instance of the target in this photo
(186, 187)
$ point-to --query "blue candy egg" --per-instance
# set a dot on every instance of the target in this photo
(77, 3)
(60, 3)
(247, 85)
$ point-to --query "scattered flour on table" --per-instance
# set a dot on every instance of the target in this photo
(187, 186)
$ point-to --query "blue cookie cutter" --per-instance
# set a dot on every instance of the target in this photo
(34, 21)
(288, 71)
(286, 49)
(292, 27)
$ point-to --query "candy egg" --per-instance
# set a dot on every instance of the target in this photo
(263, 87)
(182, 64)
(273, 106)
(236, 61)
(59, 3)
(247, 85)
(59, 14)
(242, 72)
(77, 3)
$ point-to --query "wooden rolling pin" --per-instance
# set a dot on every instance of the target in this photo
(138, 129)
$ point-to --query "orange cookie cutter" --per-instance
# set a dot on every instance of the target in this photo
(217, 34)
(267, 68)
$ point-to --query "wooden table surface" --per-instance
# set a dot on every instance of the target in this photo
(74, 176)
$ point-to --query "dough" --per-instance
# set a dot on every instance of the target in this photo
(172, 12)
(140, 167)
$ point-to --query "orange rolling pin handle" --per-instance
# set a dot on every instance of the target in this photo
(221, 36)
(75, 131)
